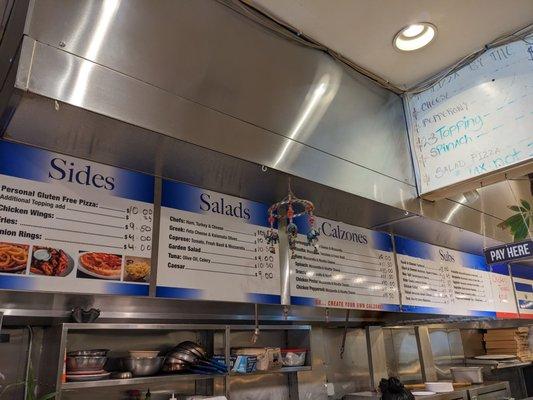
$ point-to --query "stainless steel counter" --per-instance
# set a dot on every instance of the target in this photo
(484, 391)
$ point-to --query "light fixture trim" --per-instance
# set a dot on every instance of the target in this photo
(411, 38)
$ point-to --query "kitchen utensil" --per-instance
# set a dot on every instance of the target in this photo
(101, 371)
(85, 363)
(219, 369)
(86, 378)
(218, 364)
(183, 355)
(121, 375)
(142, 366)
(497, 357)
(423, 393)
(204, 369)
(293, 357)
(175, 367)
(143, 353)
(467, 374)
(415, 386)
(439, 387)
(196, 349)
(172, 360)
(93, 353)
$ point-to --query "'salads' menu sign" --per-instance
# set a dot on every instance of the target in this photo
(212, 247)
(71, 225)
(353, 268)
(509, 252)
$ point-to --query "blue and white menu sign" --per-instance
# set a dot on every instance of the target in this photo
(523, 283)
(71, 225)
(437, 280)
(354, 268)
(212, 247)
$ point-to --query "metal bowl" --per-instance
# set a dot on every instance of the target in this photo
(175, 367)
(89, 353)
(194, 348)
(142, 366)
(85, 363)
(183, 355)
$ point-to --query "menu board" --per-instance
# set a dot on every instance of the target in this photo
(437, 280)
(354, 268)
(523, 284)
(475, 121)
(212, 247)
(71, 225)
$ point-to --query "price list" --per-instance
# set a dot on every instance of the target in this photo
(523, 285)
(86, 225)
(212, 246)
(439, 280)
(352, 268)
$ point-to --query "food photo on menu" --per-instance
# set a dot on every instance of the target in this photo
(13, 258)
(137, 269)
(49, 261)
(97, 265)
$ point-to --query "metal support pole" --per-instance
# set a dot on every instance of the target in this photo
(284, 263)
(155, 235)
(427, 363)
(377, 356)
(293, 386)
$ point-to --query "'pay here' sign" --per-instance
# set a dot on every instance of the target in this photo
(509, 252)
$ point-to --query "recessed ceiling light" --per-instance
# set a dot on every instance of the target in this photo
(414, 37)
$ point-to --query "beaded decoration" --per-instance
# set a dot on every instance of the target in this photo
(288, 209)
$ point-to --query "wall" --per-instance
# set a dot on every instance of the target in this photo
(402, 354)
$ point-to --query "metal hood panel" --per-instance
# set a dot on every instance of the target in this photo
(53, 73)
(199, 89)
(63, 128)
(198, 71)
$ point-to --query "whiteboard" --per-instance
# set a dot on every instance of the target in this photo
(475, 121)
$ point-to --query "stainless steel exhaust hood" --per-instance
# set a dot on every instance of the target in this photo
(193, 91)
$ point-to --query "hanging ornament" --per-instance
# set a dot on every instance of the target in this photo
(287, 210)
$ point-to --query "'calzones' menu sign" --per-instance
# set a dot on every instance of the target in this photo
(212, 247)
(437, 280)
(353, 268)
(71, 225)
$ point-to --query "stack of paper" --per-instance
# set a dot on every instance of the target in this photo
(513, 341)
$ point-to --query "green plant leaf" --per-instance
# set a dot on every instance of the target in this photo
(515, 221)
(48, 396)
(8, 387)
(521, 232)
(503, 225)
(514, 208)
(525, 204)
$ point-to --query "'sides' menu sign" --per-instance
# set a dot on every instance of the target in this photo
(354, 268)
(71, 225)
(212, 247)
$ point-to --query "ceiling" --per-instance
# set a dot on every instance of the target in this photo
(363, 30)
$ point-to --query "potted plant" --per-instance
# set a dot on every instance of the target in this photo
(31, 388)
(521, 222)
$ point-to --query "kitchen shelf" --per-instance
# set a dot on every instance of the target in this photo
(284, 370)
(122, 337)
(138, 381)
